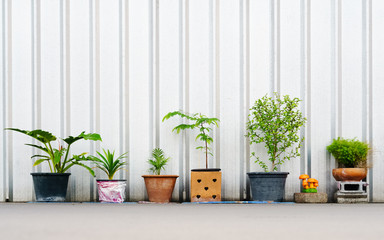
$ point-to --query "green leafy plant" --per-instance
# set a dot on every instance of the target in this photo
(197, 121)
(59, 159)
(107, 162)
(350, 153)
(276, 121)
(158, 161)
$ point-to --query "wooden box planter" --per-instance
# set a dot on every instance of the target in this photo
(205, 185)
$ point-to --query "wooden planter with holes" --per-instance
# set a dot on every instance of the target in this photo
(206, 185)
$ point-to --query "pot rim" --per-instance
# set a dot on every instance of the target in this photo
(206, 170)
(267, 173)
(160, 176)
(50, 174)
(113, 180)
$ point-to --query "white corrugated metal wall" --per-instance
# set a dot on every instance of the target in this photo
(116, 67)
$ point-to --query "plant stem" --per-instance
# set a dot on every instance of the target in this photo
(206, 155)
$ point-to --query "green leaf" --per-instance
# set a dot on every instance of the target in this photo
(38, 134)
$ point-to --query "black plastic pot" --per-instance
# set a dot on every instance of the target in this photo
(268, 186)
(50, 187)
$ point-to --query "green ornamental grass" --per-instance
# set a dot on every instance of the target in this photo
(107, 162)
(350, 153)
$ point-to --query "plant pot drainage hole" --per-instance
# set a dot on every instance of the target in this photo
(198, 180)
(206, 188)
(214, 180)
(198, 196)
(214, 196)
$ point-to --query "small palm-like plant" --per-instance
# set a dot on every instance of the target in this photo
(158, 161)
(107, 162)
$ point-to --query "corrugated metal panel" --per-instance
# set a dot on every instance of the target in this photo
(117, 67)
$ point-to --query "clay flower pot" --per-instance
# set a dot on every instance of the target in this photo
(160, 187)
(349, 174)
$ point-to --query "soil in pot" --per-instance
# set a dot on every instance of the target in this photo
(160, 187)
(50, 187)
(111, 190)
(268, 186)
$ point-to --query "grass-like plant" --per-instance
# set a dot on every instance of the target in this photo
(107, 163)
(158, 161)
(201, 122)
(350, 153)
(276, 121)
(58, 159)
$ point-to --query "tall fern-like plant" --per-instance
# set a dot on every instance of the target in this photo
(202, 123)
(158, 161)
(107, 163)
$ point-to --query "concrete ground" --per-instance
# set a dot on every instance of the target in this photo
(71, 221)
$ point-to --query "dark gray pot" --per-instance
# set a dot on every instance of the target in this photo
(50, 187)
(268, 186)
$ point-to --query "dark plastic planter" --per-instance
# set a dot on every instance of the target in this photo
(268, 186)
(50, 187)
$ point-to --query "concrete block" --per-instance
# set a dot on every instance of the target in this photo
(311, 197)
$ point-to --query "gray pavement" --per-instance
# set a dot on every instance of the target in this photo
(71, 221)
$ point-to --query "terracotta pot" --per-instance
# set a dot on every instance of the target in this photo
(349, 174)
(160, 187)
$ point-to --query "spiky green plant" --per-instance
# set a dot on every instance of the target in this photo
(158, 161)
(197, 121)
(58, 159)
(107, 163)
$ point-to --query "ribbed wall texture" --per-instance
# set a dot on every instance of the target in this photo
(116, 67)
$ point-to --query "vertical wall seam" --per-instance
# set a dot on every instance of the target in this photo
(364, 78)
(211, 68)
(247, 94)
(91, 86)
(186, 134)
(150, 74)
(121, 89)
(277, 86)
(157, 76)
(38, 68)
(67, 73)
(241, 98)
(303, 166)
(181, 100)
(217, 78)
(339, 69)
(33, 81)
(308, 88)
(370, 97)
(4, 105)
(272, 47)
(10, 103)
(62, 90)
(127, 108)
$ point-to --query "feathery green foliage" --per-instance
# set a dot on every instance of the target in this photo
(197, 121)
(158, 161)
(57, 158)
(349, 152)
(276, 122)
(107, 162)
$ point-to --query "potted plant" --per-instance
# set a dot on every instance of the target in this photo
(351, 154)
(53, 186)
(159, 187)
(110, 190)
(205, 183)
(274, 121)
